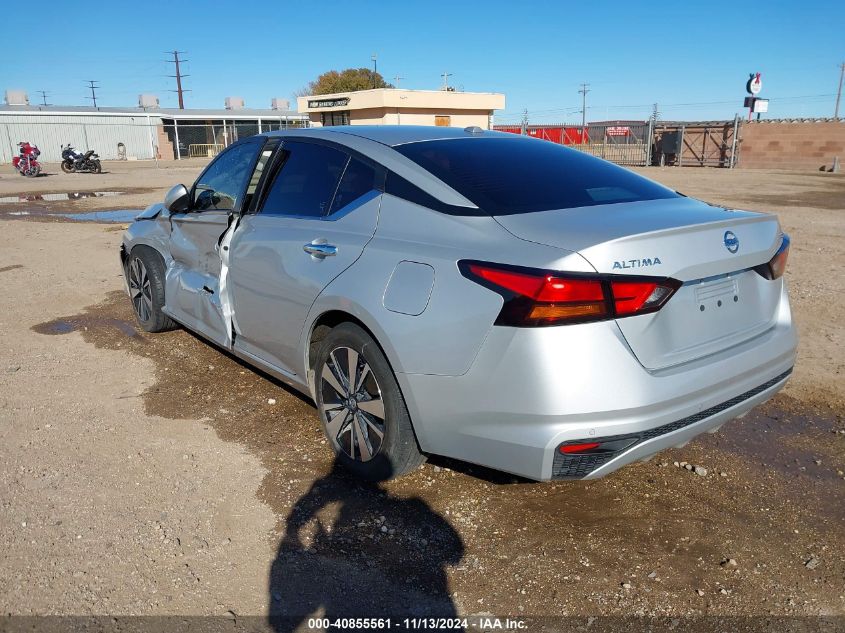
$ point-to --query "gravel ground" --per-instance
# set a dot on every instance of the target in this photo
(154, 474)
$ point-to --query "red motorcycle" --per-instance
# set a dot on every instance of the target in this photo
(27, 161)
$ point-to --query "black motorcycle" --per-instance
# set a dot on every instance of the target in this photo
(73, 162)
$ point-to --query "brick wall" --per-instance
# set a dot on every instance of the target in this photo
(791, 144)
(165, 146)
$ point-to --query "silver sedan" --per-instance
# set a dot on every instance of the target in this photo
(484, 296)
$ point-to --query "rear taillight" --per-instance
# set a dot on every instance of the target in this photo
(536, 298)
(776, 266)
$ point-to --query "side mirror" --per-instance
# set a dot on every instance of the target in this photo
(177, 200)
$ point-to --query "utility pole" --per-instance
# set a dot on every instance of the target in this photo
(585, 88)
(397, 79)
(524, 127)
(43, 97)
(93, 88)
(178, 76)
(446, 76)
(839, 92)
(375, 69)
(655, 113)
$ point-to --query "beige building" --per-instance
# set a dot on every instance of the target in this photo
(395, 106)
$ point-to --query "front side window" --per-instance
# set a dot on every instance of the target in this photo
(505, 176)
(223, 183)
(306, 182)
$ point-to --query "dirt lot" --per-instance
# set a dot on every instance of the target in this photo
(152, 474)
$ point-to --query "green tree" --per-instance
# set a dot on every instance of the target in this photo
(349, 80)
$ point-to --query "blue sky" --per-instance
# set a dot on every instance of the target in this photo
(692, 58)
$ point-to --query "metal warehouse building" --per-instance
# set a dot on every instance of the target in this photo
(134, 133)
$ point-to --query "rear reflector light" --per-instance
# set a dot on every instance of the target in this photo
(578, 448)
(536, 298)
(610, 445)
(776, 266)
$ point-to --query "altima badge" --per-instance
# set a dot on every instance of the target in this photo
(637, 263)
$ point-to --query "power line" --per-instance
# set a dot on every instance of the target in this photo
(43, 97)
(585, 88)
(93, 88)
(178, 77)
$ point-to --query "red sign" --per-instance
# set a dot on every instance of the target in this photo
(618, 130)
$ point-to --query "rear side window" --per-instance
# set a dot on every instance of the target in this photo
(306, 182)
(358, 179)
(506, 176)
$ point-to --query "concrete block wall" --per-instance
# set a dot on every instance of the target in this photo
(791, 144)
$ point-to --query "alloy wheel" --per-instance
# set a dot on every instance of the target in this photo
(352, 404)
(139, 289)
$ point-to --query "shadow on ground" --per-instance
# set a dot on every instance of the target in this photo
(326, 563)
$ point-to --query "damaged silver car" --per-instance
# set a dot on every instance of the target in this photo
(484, 296)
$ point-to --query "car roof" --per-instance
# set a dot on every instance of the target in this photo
(393, 135)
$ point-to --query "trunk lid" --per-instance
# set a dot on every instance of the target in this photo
(710, 249)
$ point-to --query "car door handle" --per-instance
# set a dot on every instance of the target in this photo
(319, 249)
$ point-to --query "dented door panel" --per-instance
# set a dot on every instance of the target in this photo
(192, 282)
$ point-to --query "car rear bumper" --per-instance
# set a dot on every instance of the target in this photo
(530, 390)
(674, 434)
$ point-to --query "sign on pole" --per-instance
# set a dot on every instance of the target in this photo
(754, 85)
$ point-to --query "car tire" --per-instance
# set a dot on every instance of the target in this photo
(145, 278)
(369, 417)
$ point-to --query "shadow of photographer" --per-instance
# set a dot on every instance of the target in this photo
(353, 550)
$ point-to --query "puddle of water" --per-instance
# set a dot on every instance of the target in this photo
(85, 322)
(115, 215)
(50, 197)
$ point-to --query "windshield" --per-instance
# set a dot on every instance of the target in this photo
(519, 175)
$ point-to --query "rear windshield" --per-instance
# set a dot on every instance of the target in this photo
(504, 176)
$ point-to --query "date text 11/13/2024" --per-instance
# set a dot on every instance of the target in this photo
(486, 623)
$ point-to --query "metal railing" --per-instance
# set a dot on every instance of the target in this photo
(205, 150)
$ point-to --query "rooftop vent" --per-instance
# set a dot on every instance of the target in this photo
(147, 101)
(280, 104)
(17, 98)
(234, 103)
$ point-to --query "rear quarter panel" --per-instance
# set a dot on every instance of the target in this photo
(446, 336)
